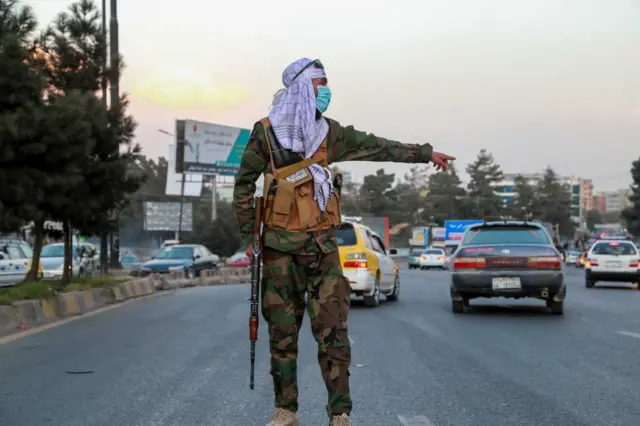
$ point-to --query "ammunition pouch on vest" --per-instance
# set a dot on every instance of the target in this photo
(288, 190)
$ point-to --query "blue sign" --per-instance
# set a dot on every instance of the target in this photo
(454, 229)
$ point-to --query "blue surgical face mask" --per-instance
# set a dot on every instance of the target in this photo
(323, 99)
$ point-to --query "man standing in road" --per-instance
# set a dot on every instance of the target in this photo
(293, 148)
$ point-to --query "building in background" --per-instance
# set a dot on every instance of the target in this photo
(587, 194)
(600, 203)
(616, 201)
(581, 191)
(347, 177)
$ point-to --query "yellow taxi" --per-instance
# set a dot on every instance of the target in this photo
(366, 263)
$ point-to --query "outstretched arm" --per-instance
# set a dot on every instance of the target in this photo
(353, 145)
(253, 164)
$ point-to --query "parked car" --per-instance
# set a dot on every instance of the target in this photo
(432, 258)
(14, 263)
(366, 264)
(84, 260)
(239, 259)
(130, 261)
(191, 258)
(507, 259)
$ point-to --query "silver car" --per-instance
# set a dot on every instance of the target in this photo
(83, 262)
(572, 257)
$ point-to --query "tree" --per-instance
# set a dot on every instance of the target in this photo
(593, 218)
(525, 205)
(76, 49)
(373, 197)
(445, 198)
(631, 214)
(485, 173)
(223, 235)
(21, 86)
(555, 201)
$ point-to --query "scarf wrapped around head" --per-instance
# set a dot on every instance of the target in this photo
(293, 118)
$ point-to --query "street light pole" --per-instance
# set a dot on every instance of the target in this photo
(114, 53)
(104, 235)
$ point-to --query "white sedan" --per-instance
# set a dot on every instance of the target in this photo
(432, 258)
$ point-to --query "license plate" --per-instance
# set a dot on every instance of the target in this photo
(613, 264)
(506, 283)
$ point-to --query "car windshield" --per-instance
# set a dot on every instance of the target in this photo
(346, 236)
(174, 252)
(573, 254)
(27, 250)
(57, 250)
(615, 249)
(506, 235)
(416, 253)
(433, 252)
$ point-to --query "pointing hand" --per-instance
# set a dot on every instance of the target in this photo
(441, 160)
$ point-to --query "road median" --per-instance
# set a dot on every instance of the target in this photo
(48, 305)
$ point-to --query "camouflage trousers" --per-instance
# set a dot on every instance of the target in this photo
(286, 279)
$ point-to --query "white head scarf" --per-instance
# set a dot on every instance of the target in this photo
(293, 118)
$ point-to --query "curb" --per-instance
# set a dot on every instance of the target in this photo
(224, 276)
(73, 303)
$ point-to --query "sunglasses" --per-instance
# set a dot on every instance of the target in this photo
(315, 63)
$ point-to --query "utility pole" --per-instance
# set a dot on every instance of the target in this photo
(114, 53)
(214, 207)
(181, 208)
(104, 243)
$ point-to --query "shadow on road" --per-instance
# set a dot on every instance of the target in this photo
(507, 310)
(612, 287)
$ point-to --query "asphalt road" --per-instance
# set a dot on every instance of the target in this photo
(182, 360)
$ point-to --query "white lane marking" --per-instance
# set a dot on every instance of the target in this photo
(415, 421)
(630, 334)
(351, 340)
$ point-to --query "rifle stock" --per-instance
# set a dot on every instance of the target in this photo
(255, 287)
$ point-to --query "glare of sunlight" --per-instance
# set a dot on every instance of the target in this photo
(182, 87)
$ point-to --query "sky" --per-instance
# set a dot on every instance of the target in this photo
(535, 82)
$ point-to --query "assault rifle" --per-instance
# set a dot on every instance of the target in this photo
(255, 287)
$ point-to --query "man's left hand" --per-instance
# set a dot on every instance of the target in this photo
(441, 160)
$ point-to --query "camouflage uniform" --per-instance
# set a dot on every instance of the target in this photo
(296, 263)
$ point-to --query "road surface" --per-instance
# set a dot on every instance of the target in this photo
(182, 360)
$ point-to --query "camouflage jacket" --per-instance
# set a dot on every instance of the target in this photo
(343, 144)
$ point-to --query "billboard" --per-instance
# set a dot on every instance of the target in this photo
(454, 229)
(438, 236)
(209, 148)
(417, 236)
(163, 216)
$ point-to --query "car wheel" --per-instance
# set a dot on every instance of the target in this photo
(393, 297)
(589, 283)
(374, 300)
(556, 308)
(457, 306)
(191, 273)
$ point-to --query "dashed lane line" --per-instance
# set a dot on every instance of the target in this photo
(415, 421)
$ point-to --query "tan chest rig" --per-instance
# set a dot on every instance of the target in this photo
(288, 190)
